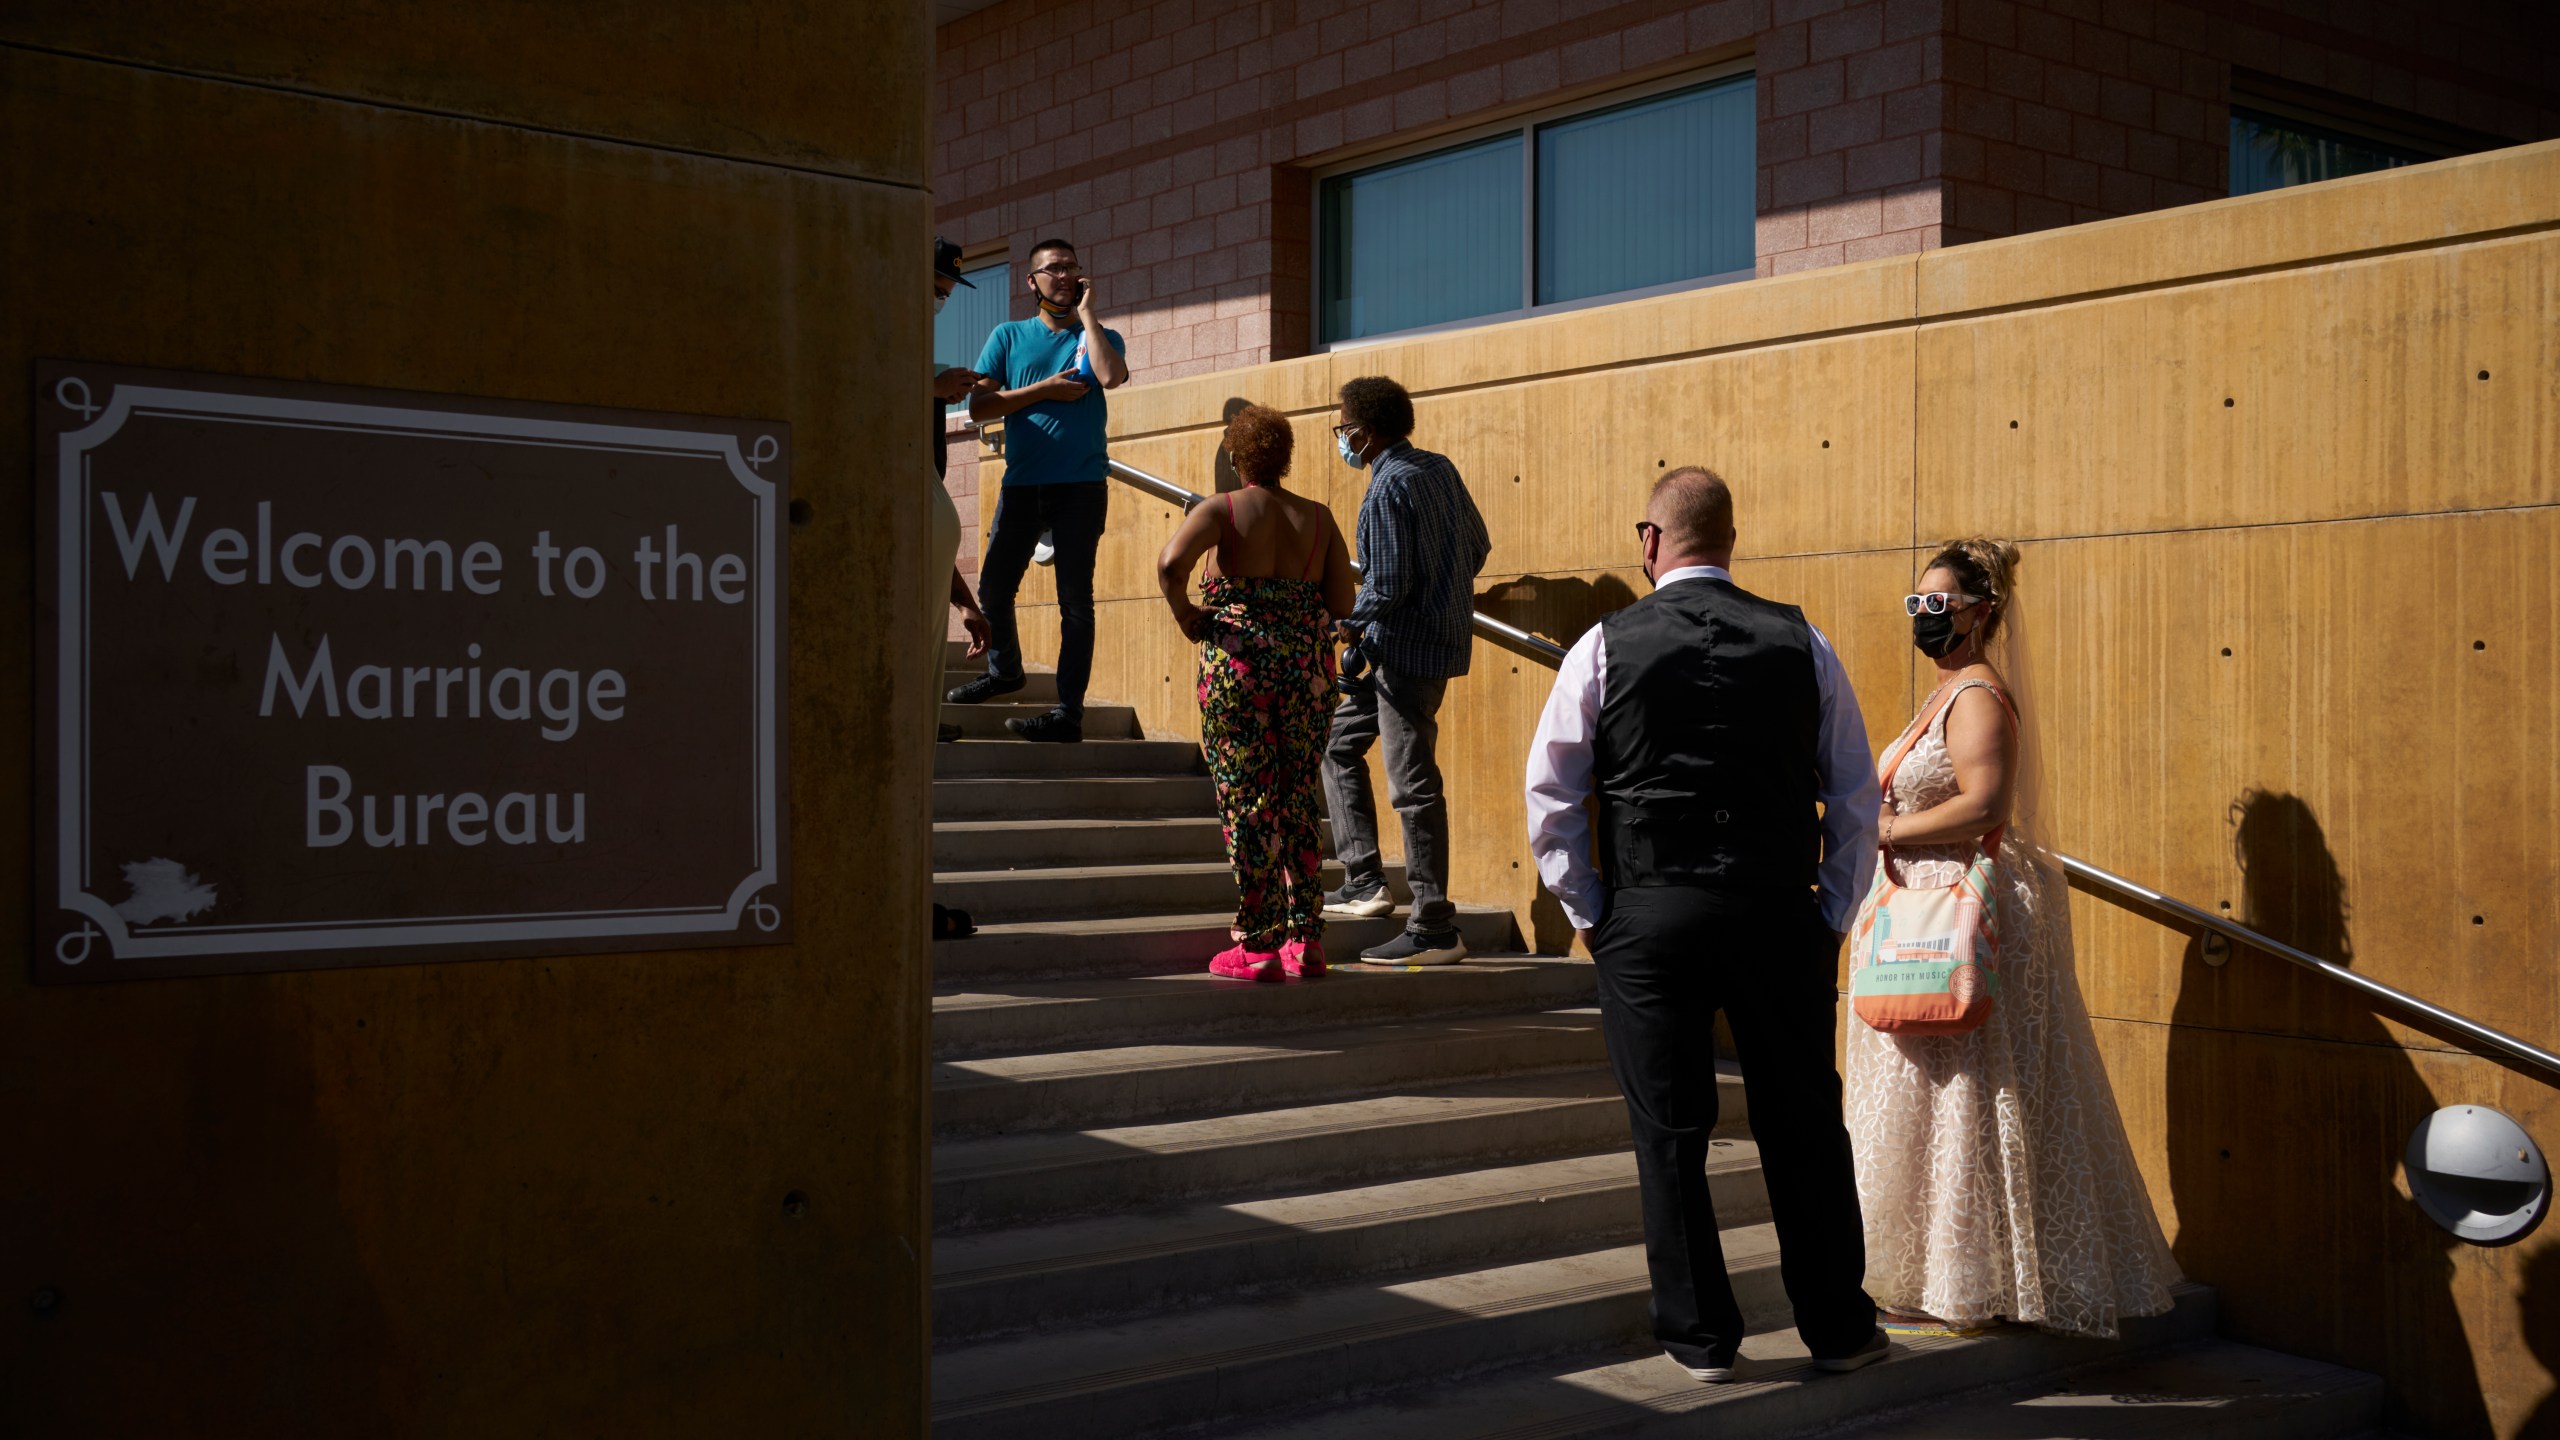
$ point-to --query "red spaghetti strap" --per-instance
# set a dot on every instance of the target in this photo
(1315, 561)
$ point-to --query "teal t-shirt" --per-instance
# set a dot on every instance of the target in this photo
(1053, 442)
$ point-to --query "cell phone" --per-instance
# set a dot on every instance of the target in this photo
(1081, 288)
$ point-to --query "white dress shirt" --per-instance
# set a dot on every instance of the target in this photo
(1560, 779)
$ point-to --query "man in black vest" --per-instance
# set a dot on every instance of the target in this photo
(1711, 724)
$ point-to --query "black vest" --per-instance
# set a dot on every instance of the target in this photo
(1705, 751)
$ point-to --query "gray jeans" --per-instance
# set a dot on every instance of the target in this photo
(1405, 711)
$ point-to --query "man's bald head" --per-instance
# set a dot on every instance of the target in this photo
(1694, 507)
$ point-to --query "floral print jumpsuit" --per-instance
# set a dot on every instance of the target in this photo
(1266, 684)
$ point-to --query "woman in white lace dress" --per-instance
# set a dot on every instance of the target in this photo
(1992, 1167)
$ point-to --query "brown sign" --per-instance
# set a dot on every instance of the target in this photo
(340, 677)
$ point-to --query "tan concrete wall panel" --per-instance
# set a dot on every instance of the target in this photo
(830, 87)
(2366, 770)
(531, 1197)
(2353, 389)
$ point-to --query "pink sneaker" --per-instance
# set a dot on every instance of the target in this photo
(1238, 963)
(1303, 959)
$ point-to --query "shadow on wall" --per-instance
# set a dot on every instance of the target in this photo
(2538, 1321)
(1560, 609)
(1225, 467)
(2284, 1153)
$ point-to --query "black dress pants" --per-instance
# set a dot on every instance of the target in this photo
(1073, 514)
(1670, 957)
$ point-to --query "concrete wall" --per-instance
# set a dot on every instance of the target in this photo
(520, 1197)
(1172, 141)
(2287, 473)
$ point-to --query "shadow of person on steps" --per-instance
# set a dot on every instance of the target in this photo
(2288, 1106)
(2538, 1321)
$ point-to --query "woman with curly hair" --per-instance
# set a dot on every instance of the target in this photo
(1279, 576)
(1993, 1169)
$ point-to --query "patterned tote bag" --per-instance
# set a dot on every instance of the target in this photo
(1927, 961)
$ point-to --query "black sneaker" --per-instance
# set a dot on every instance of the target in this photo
(945, 734)
(1437, 947)
(1055, 727)
(1343, 904)
(982, 690)
(1866, 1354)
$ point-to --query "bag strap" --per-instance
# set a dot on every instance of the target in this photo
(1989, 841)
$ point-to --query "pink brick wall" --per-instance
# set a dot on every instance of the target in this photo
(1171, 141)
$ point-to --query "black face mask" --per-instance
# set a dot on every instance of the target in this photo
(1935, 635)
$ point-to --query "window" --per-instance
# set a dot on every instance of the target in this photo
(2269, 152)
(1634, 197)
(967, 318)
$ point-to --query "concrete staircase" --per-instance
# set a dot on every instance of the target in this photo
(1386, 1203)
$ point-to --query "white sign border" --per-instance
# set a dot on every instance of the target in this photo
(71, 781)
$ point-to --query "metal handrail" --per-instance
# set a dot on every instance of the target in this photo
(2089, 875)
(2521, 1050)
(1167, 491)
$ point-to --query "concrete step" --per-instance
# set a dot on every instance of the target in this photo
(1227, 1364)
(979, 759)
(1039, 687)
(986, 722)
(1195, 1004)
(1776, 1394)
(1126, 1264)
(1094, 891)
(2211, 1390)
(1127, 1084)
(1106, 797)
(1010, 1179)
(1012, 843)
(1011, 953)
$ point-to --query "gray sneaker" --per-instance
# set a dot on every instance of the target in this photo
(1368, 904)
(1437, 947)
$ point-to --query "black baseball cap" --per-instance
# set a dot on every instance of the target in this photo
(946, 261)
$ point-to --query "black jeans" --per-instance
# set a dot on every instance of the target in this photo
(1668, 958)
(1073, 515)
(1404, 710)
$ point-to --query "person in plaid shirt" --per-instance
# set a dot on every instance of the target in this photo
(1421, 544)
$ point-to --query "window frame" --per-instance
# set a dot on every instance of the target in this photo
(2282, 99)
(1525, 124)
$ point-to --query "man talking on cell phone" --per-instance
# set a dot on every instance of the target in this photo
(1052, 370)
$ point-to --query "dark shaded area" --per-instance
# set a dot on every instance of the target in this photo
(1559, 608)
(2538, 1321)
(1224, 467)
(2283, 1153)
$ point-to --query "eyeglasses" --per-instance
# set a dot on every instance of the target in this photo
(1938, 602)
(1346, 427)
(1060, 272)
(1644, 526)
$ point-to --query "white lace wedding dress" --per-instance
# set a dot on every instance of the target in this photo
(1992, 1166)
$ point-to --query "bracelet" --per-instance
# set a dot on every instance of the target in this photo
(1888, 828)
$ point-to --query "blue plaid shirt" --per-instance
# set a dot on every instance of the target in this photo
(1421, 546)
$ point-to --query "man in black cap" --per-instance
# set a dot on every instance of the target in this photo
(950, 386)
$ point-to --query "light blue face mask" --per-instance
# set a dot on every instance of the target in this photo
(1350, 457)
